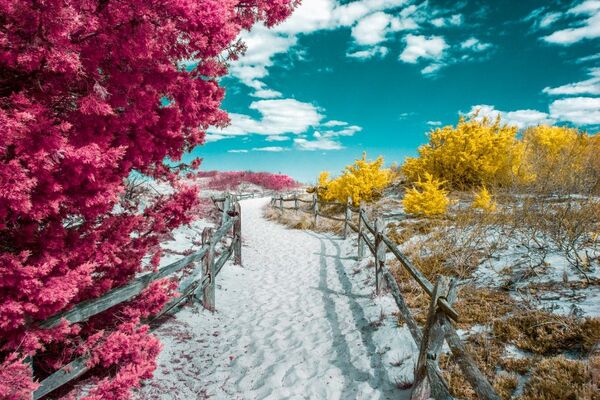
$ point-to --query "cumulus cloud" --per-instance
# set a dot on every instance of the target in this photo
(423, 47)
(588, 86)
(372, 29)
(278, 116)
(282, 117)
(520, 118)
(586, 26)
(581, 111)
(311, 16)
(578, 110)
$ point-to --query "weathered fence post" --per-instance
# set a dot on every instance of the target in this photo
(208, 270)
(347, 216)
(226, 206)
(428, 381)
(281, 203)
(296, 201)
(361, 242)
(379, 255)
(316, 210)
(237, 235)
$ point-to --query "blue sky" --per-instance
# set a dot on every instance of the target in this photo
(342, 77)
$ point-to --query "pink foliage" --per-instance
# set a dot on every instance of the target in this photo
(16, 379)
(233, 180)
(91, 90)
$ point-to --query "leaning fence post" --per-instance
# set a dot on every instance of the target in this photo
(208, 270)
(237, 235)
(361, 242)
(379, 255)
(428, 381)
(316, 209)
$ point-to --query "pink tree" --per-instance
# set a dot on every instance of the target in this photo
(91, 90)
(231, 180)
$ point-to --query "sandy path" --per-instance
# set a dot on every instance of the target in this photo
(290, 324)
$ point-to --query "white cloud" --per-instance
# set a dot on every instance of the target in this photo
(419, 46)
(335, 123)
(277, 138)
(277, 117)
(587, 27)
(320, 143)
(578, 110)
(431, 69)
(312, 15)
(270, 149)
(376, 51)
(237, 151)
(262, 46)
(520, 118)
(453, 20)
(287, 116)
(474, 44)
(585, 59)
(266, 94)
(434, 123)
(347, 131)
(548, 19)
(212, 137)
(372, 29)
(588, 86)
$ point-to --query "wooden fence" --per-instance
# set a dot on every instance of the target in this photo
(428, 382)
(207, 262)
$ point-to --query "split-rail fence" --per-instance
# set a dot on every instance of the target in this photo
(429, 382)
(199, 284)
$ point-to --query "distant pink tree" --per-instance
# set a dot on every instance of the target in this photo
(91, 90)
(232, 180)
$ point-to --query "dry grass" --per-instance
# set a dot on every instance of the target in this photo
(301, 220)
(402, 231)
(487, 353)
(557, 378)
(545, 333)
(476, 306)
(481, 306)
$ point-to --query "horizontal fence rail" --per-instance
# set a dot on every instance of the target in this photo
(200, 284)
(438, 328)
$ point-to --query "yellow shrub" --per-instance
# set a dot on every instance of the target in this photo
(426, 198)
(483, 200)
(560, 158)
(475, 153)
(362, 181)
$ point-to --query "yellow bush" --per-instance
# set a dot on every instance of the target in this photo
(483, 200)
(362, 181)
(560, 158)
(427, 198)
(477, 152)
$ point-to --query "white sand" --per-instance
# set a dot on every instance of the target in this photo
(293, 323)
